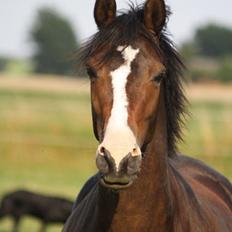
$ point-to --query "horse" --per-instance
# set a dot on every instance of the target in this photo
(48, 209)
(138, 109)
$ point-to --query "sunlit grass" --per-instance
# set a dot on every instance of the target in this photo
(209, 135)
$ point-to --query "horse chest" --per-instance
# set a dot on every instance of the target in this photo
(138, 220)
(122, 223)
(137, 223)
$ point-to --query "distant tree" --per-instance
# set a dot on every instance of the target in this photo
(224, 73)
(214, 40)
(3, 63)
(188, 50)
(55, 41)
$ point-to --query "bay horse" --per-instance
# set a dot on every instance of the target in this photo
(138, 109)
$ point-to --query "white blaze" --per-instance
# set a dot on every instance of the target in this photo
(119, 139)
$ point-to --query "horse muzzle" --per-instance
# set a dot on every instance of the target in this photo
(120, 177)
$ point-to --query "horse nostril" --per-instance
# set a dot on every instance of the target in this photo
(105, 161)
(102, 150)
(136, 151)
(134, 164)
(102, 164)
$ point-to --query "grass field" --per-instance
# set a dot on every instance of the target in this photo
(47, 144)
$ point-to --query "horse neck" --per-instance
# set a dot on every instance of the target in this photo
(148, 199)
(154, 172)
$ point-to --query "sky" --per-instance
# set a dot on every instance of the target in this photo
(17, 18)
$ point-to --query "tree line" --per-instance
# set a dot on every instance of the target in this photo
(208, 54)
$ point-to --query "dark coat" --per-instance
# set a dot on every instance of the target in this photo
(47, 209)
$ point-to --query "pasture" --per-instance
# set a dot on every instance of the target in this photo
(47, 144)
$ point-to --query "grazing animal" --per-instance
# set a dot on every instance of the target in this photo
(138, 105)
(23, 203)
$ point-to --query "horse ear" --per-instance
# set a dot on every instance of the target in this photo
(155, 15)
(104, 12)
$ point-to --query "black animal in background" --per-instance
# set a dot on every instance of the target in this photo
(47, 209)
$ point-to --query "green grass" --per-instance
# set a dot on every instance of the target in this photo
(208, 135)
(47, 144)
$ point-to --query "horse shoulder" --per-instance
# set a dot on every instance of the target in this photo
(83, 215)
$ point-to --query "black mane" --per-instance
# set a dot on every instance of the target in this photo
(123, 31)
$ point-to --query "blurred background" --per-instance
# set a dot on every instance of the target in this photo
(46, 139)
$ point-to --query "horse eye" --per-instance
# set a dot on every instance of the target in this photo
(159, 77)
(91, 73)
